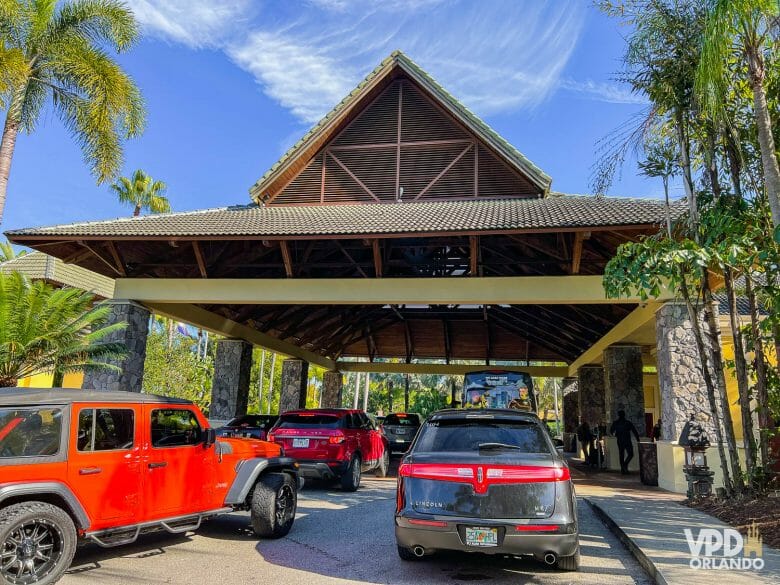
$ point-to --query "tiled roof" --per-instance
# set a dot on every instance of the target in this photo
(466, 116)
(473, 215)
(40, 266)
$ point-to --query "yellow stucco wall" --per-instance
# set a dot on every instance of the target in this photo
(70, 380)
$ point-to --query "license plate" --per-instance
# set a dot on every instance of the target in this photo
(400, 432)
(301, 443)
(481, 537)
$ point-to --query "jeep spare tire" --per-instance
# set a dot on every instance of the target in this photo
(274, 502)
(37, 543)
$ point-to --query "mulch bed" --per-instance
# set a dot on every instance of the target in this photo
(741, 513)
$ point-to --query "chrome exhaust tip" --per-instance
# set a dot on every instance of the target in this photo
(418, 551)
(550, 558)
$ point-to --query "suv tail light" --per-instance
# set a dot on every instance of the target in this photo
(271, 437)
(336, 439)
(484, 473)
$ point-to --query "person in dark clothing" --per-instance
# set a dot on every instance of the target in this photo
(657, 431)
(585, 438)
(622, 429)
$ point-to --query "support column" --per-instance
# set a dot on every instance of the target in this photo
(591, 395)
(624, 388)
(571, 405)
(295, 375)
(232, 372)
(332, 385)
(133, 337)
(680, 377)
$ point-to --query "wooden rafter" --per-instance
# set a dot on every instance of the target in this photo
(576, 254)
(286, 258)
(473, 255)
(120, 266)
(199, 259)
(408, 341)
(352, 261)
(375, 248)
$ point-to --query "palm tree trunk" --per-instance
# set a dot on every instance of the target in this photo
(709, 383)
(765, 139)
(743, 384)
(685, 165)
(762, 392)
(720, 376)
(137, 211)
(10, 132)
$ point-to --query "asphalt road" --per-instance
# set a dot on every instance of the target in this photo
(337, 538)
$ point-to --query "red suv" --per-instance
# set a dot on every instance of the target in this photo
(333, 444)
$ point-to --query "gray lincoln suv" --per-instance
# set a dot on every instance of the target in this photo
(487, 481)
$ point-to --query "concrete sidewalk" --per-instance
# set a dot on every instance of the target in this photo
(651, 523)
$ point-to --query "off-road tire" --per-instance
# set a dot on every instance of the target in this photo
(62, 537)
(350, 481)
(570, 563)
(406, 554)
(274, 502)
(384, 465)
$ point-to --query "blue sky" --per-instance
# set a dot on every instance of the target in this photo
(230, 84)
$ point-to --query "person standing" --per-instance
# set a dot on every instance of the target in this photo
(622, 429)
(657, 431)
(585, 439)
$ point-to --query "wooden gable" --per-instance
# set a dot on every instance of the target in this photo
(404, 146)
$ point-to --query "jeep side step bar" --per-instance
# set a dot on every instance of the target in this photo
(102, 537)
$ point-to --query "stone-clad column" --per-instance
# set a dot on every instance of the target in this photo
(133, 337)
(624, 388)
(571, 405)
(232, 372)
(680, 377)
(295, 378)
(332, 384)
(591, 395)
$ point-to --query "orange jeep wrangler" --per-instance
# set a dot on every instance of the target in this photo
(107, 466)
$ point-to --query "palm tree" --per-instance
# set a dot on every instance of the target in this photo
(142, 192)
(44, 329)
(7, 252)
(58, 50)
(743, 29)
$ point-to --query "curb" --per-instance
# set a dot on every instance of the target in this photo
(638, 553)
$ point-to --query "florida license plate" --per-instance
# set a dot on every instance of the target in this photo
(300, 443)
(481, 537)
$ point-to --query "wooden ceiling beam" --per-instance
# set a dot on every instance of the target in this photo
(474, 255)
(120, 265)
(376, 249)
(408, 341)
(199, 259)
(576, 253)
(286, 258)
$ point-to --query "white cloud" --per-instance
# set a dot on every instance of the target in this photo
(299, 78)
(195, 23)
(603, 91)
(494, 56)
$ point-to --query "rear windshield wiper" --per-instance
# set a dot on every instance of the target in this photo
(482, 446)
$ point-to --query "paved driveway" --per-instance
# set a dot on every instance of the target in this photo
(337, 538)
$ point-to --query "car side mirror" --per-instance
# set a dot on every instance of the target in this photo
(211, 438)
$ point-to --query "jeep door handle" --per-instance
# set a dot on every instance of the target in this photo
(90, 470)
(156, 464)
